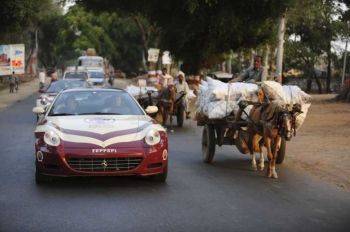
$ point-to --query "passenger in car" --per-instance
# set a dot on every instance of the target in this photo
(68, 107)
(116, 105)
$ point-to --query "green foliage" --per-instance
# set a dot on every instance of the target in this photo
(17, 15)
(193, 30)
(65, 37)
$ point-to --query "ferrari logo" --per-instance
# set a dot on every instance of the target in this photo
(104, 163)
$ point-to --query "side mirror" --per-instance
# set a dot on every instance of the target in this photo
(151, 110)
(38, 110)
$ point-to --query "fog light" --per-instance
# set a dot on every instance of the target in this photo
(165, 155)
(39, 156)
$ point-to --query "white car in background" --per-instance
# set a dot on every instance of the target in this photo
(76, 73)
(97, 76)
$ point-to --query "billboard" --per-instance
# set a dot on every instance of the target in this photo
(153, 54)
(12, 59)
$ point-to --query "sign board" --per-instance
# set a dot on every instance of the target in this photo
(166, 58)
(17, 61)
(12, 59)
(142, 83)
(153, 54)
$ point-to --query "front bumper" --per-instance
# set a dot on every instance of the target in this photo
(141, 161)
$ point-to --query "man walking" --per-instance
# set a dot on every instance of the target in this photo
(12, 82)
(182, 86)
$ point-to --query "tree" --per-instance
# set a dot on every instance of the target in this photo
(194, 30)
(316, 23)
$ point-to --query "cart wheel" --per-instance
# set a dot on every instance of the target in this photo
(180, 116)
(281, 152)
(208, 143)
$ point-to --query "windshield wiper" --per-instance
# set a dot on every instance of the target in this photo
(100, 113)
(61, 114)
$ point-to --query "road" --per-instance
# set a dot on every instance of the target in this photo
(224, 196)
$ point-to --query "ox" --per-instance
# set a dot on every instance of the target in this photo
(167, 97)
(270, 121)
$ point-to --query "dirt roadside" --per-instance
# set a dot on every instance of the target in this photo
(322, 145)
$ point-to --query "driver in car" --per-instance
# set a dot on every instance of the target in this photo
(68, 107)
(116, 105)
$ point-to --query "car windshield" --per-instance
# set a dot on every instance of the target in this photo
(97, 75)
(57, 86)
(95, 103)
(76, 75)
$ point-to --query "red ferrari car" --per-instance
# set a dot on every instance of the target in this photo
(99, 132)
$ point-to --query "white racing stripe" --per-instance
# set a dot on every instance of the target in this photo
(90, 140)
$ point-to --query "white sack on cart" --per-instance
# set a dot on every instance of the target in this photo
(273, 90)
(218, 90)
(301, 117)
(135, 90)
(220, 109)
(293, 94)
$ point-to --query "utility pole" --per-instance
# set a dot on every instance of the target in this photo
(345, 55)
(36, 51)
(280, 36)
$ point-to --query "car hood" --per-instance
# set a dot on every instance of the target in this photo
(100, 130)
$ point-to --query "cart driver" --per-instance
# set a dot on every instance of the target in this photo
(256, 73)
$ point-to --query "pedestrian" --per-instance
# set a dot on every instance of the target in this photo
(12, 82)
(16, 82)
(111, 79)
(53, 76)
(165, 79)
(42, 80)
(182, 86)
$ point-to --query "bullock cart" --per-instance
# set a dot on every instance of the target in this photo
(228, 131)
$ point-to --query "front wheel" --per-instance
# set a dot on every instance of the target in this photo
(161, 177)
(42, 179)
(208, 143)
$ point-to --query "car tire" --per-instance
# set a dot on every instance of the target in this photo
(42, 179)
(161, 177)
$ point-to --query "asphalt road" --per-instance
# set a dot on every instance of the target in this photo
(224, 196)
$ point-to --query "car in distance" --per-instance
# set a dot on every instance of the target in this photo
(99, 132)
(50, 92)
(76, 73)
(96, 76)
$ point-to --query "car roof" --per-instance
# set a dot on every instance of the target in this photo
(73, 68)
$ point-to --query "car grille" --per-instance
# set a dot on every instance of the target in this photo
(104, 164)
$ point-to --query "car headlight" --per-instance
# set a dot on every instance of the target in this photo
(51, 138)
(152, 137)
